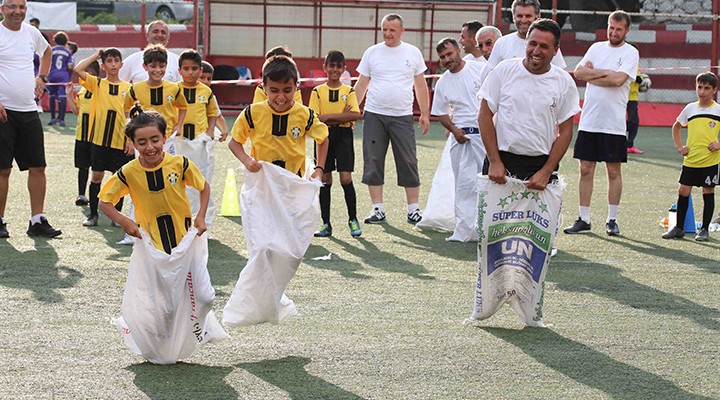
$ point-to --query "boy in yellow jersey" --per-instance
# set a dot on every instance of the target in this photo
(260, 94)
(80, 104)
(337, 107)
(206, 77)
(702, 158)
(158, 94)
(156, 183)
(633, 118)
(202, 108)
(277, 126)
(110, 150)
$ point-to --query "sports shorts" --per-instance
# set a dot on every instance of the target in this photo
(379, 131)
(701, 177)
(22, 139)
(594, 146)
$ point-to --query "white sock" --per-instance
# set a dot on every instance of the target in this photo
(379, 206)
(585, 214)
(36, 219)
(612, 212)
(412, 207)
(2, 220)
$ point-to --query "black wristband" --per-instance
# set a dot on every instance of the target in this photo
(321, 168)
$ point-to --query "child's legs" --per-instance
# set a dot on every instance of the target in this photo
(52, 92)
(683, 203)
(62, 106)
(708, 206)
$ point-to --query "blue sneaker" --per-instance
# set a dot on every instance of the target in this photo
(61, 123)
(325, 231)
(52, 122)
(354, 226)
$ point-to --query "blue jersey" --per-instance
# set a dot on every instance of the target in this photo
(61, 57)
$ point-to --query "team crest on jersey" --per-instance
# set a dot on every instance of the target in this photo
(295, 131)
(712, 124)
(407, 63)
(201, 98)
(169, 98)
(619, 62)
(123, 94)
(172, 178)
(476, 85)
(344, 98)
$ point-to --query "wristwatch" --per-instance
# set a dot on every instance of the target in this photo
(43, 77)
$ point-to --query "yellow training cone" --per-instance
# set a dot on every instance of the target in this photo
(230, 205)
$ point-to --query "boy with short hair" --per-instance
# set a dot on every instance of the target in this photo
(277, 126)
(337, 107)
(202, 109)
(156, 93)
(701, 156)
(60, 71)
(260, 94)
(206, 77)
(110, 150)
(82, 107)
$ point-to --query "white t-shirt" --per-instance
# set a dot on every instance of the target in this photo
(132, 70)
(392, 71)
(470, 57)
(513, 46)
(529, 107)
(17, 73)
(457, 95)
(604, 107)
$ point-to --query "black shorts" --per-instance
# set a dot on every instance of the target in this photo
(22, 138)
(592, 146)
(701, 177)
(522, 167)
(107, 158)
(83, 154)
(341, 151)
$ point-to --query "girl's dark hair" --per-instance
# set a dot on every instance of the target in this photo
(141, 119)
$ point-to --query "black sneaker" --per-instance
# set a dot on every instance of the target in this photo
(42, 229)
(674, 233)
(414, 217)
(611, 228)
(376, 217)
(578, 226)
(703, 235)
(3, 230)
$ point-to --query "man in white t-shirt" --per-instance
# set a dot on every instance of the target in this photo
(486, 38)
(608, 68)
(513, 45)
(132, 70)
(468, 43)
(532, 132)
(388, 73)
(21, 132)
(456, 104)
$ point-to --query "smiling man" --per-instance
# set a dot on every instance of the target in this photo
(608, 68)
(388, 73)
(468, 43)
(157, 33)
(524, 12)
(21, 132)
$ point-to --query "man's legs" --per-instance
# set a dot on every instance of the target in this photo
(36, 185)
(4, 186)
(375, 145)
(586, 187)
(614, 174)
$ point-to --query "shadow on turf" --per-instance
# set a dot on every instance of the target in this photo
(434, 242)
(589, 367)
(183, 381)
(290, 375)
(576, 274)
(346, 268)
(224, 266)
(36, 270)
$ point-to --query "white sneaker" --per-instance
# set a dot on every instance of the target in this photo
(127, 240)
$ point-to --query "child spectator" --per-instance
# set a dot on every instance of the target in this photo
(700, 152)
(60, 72)
(206, 77)
(336, 106)
(110, 150)
(202, 109)
(81, 105)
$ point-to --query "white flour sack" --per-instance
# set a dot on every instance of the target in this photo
(280, 214)
(200, 151)
(167, 307)
(517, 227)
(439, 210)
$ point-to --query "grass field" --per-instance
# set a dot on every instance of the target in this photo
(629, 317)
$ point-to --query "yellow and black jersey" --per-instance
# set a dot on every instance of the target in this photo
(108, 114)
(84, 118)
(279, 138)
(634, 87)
(327, 100)
(201, 105)
(166, 99)
(260, 95)
(162, 208)
(703, 127)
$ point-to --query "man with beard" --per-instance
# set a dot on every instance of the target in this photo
(608, 68)
(456, 104)
(468, 43)
(513, 45)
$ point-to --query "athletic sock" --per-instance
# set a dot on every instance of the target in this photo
(379, 206)
(52, 106)
(36, 219)
(350, 200)
(708, 209)
(325, 203)
(585, 214)
(93, 192)
(83, 174)
(62, 105)
(412, 207)
(683, 203)
(612, 212)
